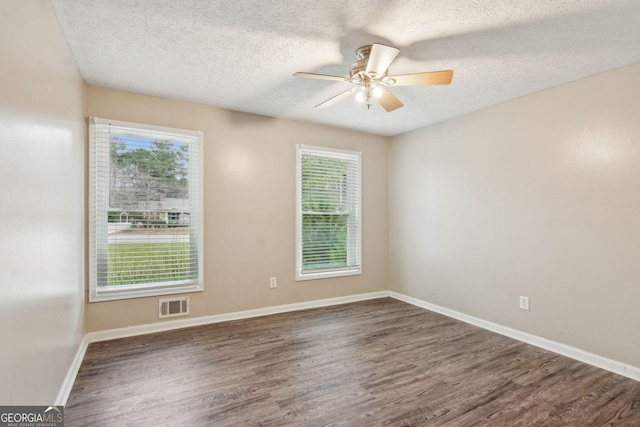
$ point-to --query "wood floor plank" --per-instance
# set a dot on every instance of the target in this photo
(379, 362)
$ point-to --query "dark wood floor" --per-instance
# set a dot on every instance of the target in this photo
(379, 362)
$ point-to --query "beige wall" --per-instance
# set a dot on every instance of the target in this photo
(41, 204)
(537, 197)
(249, 193)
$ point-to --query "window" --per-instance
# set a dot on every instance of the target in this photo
(328, 213)
(145, 231)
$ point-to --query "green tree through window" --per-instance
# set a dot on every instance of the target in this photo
(329, 210)
(145, 218)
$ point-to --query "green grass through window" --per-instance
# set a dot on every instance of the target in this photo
(131, 263)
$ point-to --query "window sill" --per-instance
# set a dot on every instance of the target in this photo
(129, 292)
(327, 274)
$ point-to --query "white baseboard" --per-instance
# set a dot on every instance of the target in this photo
(556, 347)
(566, 350)
(217, 318)
(72, 373)
(131, 331)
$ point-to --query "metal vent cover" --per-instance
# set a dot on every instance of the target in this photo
(172, 307)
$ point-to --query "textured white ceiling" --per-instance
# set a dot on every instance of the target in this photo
(241, 54)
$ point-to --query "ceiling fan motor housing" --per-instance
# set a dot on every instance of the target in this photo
(358, 72)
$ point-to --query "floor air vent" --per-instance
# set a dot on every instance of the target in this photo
(172, 307)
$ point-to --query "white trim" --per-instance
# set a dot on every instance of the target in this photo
(176, 132)
(574, 353)
(356, 253)
(91, 337)
(72, 373)
(607, 364)
(298, 212)
(328, 274)
(138, 291)
(99, 145)
(336, 153)
(217, 318)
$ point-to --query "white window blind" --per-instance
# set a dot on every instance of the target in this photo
(145, 210)
(328, 214)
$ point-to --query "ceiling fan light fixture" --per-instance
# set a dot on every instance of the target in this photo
(370, 75)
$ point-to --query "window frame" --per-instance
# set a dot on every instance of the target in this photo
(357, 251)
(97, 229)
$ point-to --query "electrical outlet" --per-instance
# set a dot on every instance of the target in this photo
(524, 303)
(273, 282)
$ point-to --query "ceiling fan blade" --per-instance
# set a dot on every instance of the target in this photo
(419, 79)
(321, 77)
(380, 58)
(388, 101)
(329, 102)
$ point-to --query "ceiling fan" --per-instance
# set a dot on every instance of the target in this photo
(370, 76)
